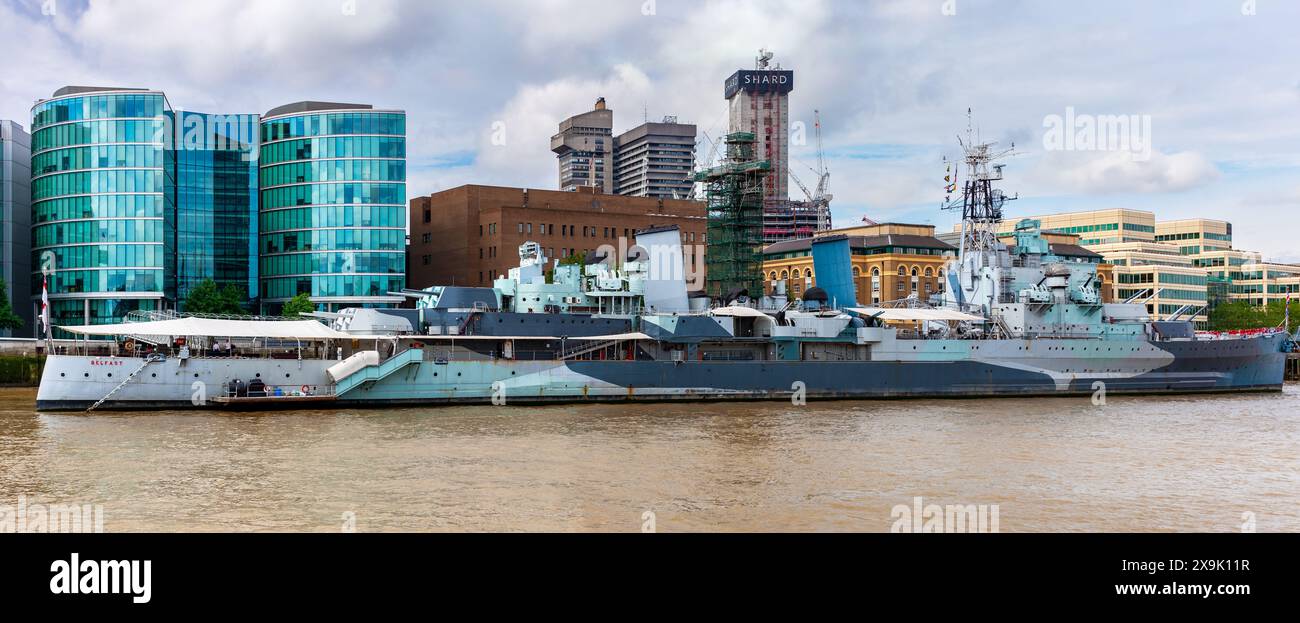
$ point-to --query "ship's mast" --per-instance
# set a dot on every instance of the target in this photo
(980, 203)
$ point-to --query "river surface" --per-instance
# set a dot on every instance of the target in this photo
(1199, 463)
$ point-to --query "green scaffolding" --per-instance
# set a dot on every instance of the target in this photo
(734, 190)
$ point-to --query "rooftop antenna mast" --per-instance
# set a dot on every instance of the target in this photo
(980, 203)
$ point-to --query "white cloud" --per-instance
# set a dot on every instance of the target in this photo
(224, 40)
(1114, 172)
(532, 116)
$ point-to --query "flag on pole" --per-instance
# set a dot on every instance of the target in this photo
(45, 305)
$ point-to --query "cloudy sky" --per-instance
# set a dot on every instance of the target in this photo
(1218, 81)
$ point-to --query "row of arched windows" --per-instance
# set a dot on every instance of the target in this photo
(807, 272)
(903, 271)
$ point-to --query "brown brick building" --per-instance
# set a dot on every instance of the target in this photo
(471, 234)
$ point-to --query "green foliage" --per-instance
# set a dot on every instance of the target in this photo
(1236, 315)
(208, 298)
(298, 304)
(22, 370)
(579, 259)
(8, 319)
(574, 258)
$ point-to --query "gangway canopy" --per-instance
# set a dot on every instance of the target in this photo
(737, 310)
(617, 337)
(904, 314)
(217, 327)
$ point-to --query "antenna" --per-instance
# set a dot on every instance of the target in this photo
(980, 203)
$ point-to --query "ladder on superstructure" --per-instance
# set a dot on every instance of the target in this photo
(589, 347)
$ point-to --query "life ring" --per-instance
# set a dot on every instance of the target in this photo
(129, 345)
(305, 390)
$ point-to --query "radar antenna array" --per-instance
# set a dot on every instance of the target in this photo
(980, 203)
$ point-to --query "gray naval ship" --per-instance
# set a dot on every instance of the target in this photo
(1012, 320)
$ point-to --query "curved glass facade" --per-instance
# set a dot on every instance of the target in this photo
(332, 215)
(216, 203)
(99, 203)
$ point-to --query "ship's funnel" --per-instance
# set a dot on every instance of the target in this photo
(833, 267)
(665, 284)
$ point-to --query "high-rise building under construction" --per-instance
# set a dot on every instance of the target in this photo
(758, 103)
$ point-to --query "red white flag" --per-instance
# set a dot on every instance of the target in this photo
(45, 305)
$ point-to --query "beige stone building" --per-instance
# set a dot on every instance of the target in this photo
(1095, 227)
(891, 261)
(1194, 236)
(1179, 262)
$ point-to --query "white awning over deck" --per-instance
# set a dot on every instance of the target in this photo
(215, 327)
(902, 314)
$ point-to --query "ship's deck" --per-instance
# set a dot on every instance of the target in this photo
(268, 400)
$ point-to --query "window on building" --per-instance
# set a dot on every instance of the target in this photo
(428, 215)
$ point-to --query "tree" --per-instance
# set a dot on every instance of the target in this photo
(1275, 312)
(1235, 315)
(297, 305)
(8, 319)
(574, 258)
(209, 298)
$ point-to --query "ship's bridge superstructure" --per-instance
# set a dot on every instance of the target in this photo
(1026, 290)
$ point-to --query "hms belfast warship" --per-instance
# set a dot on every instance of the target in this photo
(1013, 320)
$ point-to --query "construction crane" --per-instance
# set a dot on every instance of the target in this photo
(697, 189)
(798, 182)
(819, 200)
(824, 174)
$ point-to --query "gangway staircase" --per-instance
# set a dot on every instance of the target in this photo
(371, 374)
(584, 348)
(148, 360)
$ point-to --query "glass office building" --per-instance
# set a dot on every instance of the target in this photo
(100, 202)
(133, 203)
(216, 203)
(333, 205)
(15, 223)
